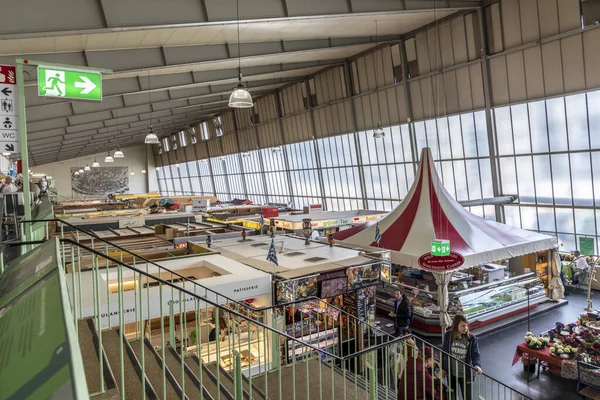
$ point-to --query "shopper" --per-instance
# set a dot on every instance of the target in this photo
(417, 381)
(463, 347)
(9, 186)
(402, 314)
(581, 268)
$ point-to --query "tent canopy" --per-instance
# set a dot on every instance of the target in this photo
(429, 212)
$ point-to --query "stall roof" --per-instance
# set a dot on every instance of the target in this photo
(327, 219)
(429, 212)
(296, 259)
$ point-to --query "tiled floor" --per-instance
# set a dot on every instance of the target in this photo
(498, 348)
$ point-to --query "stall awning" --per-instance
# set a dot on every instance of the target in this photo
(429, 212)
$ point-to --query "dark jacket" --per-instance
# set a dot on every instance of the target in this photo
(403, 315)
(473, 354)
(410, 375)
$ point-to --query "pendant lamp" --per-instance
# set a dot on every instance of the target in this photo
(143, 171)
(378, 133)
(95, 164)
(158, 168)
(245, 154)
(277, 149)
(87, 168)
(81, 170)
(240, 96)
(76, 173)
(109, 158)
(119, 154)
(132, 173)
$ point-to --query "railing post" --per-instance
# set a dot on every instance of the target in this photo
(237, 376)
(372, 379)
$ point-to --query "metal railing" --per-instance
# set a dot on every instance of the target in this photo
(252, 352)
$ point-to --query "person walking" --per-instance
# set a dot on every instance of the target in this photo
(402, 313)
(418, 378)
(462, 346)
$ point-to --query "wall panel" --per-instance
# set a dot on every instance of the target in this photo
(477, 86)
(451, 92)
(572, 62)
(553, 73)
(511, 23)
(229, 144)
(292, 98)
(530, 28)
(247, 139)
(214, 147)
(269, 134)
(297, 128)
(548, 16)
(516, 77)
(227, 121)
(592, 58)
(499, 80)
(202, 150)
(243, 117)
(459, 40)
(569, 15)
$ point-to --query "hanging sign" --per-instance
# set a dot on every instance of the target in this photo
(440, 247)
(431, 262)
(9, 119)
(69, 83)
(586, 246)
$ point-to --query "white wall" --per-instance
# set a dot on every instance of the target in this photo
(135, 159)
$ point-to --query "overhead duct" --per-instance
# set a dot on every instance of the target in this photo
(493, 201)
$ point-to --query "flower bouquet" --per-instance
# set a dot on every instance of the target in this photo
(591, 354)
(563, 351)
(586, 337)
(562, 329)
(534, 342)
(571, 341)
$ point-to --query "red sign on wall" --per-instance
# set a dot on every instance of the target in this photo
(8, 75)
(441, 263)
(270, 212)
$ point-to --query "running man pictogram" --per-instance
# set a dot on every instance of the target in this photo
(53, 83)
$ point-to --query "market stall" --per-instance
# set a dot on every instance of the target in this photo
(429, 219)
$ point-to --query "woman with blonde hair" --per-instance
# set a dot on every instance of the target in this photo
(464, 349)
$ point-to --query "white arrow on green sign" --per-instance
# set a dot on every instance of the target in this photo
(69, 83)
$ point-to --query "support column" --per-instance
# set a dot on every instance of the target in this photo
(491, 129)
(24, 148)
(314, 142)
(409, 109)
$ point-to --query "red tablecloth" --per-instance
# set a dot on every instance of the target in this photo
(542, 355)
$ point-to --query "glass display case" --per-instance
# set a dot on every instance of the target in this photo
(479, 303)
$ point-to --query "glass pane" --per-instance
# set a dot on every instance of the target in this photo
(525, 179)
(593, 99)
(482, 134)
(473, 180)
(504, 131)
(512, 217)
(562, 179)
(539, 129)
(582, 179)
(508, 175)
(420, 136)
(564, 220)
(486, 177)
(460, 180)
(432, 138)
(520, 123)
(596, 172)
(529, 218)
(398, 150)
(546, 219)
(444, 139)
(543, 180)
(448, 178)
(577, 123)
(566, 242)
(456, 137)
(584, 221)
(557, 124)
(469, 135)
(406, 142)
(393, 179)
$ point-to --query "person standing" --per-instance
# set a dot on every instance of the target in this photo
(417, 380)
(9, 186)
(402, 313)
(463, 347)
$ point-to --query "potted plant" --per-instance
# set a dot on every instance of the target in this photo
(562, 329)
(553, 334)
(529, 362)
(534, 342)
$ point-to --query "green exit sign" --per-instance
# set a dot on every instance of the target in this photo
(440, 247)
(69, 83)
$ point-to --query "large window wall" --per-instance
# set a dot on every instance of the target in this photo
(548, 153)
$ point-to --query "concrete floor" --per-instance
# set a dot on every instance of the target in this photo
(498, 349)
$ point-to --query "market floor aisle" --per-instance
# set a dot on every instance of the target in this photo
(498, 348)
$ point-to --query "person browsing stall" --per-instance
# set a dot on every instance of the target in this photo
(464, 349)
(402, 313)
(581, 268)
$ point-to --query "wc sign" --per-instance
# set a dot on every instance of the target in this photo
(9, 117)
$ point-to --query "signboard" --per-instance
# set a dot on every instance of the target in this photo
(365, 304)
(296, 289)
(200, 205)
(132, 222)
(364, 276)
(430, 262)
(270, 212)
(69, 83)
(586, 246)
(9, 117)
(440, 247)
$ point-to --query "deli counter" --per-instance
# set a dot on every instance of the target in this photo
(481, 304)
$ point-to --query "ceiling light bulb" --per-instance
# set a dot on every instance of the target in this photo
(95, 164)
(143, 171)
(240, 98)
(151, 138)
(119, 154)
(378, 133)
(109, 159)
(87, 168)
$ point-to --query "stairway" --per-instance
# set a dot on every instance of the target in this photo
(154, 372)
(310, 386)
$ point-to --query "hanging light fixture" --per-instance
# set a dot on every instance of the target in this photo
(151, 138)
(132, 173)
(240, 96)
(223, 158)
(95, 164)
(277, 149)
(76, 173)
(119, 154)
(158, 168)
(245, 154)
(143, 171)
(81, 171)
(378, 133)
(87, 168)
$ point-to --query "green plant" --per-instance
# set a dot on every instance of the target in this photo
(192, 336)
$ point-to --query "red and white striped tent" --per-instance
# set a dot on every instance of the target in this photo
(429, 212)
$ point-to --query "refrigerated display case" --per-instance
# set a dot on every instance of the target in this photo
(481, 304)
